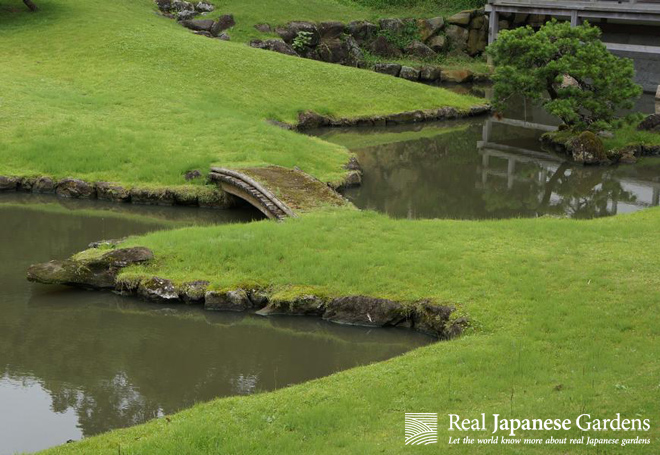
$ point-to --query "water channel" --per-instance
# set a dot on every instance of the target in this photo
(75, 363)
(489, 169)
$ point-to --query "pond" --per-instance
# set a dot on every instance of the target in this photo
(487, 168)
(75, 363)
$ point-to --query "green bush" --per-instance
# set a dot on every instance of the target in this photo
(567, 69)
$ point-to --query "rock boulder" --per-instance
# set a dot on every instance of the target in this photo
(462, 18)
(362, 31)
(383, 48)
(8, 183)
(157, 289)
(43, 185)
(430, 27)
(392, 26)
(420, 50)
(458, 37)
(364, 311)
(274, 45)
(237, 300)
(588, 148)
(393, 69)
(409, 73)
(111, 192)
(224, 22)
(76, 189)
(204, 7)
(330, 30)
(438, 43)
(89, 269)
(457, 76)
(198, 24)
(650, 123)
(293, 29)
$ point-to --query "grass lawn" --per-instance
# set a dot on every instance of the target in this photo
(565, 321)
(629, 135)
(109, 90)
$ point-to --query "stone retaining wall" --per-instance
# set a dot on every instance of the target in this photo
(423, 40)
(310, 120)
(79, 189)
(98, 268)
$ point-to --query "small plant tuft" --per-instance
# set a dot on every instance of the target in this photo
(302, 40)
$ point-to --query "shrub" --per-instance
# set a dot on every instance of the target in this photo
(568, 69)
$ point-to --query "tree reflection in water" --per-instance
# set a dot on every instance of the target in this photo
(447, 175)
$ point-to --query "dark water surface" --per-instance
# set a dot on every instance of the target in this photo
(484, 168)
(76, 363)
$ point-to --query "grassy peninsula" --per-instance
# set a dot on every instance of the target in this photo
(564, 321)
(113, 91)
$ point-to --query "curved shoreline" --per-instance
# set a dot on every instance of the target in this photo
(98, 268)
(310, 120)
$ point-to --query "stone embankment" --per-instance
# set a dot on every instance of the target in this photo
(192, 195)
(98, 269)
(310, 120)
(423, 41)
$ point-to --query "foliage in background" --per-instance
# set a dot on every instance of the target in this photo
(536, 64)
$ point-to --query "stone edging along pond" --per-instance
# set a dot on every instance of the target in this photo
(79, 189)
(310, 120)
(98, 268)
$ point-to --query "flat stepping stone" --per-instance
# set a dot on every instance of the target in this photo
(276, 191)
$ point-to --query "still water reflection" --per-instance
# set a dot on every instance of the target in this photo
(76, 363)
(487, 169)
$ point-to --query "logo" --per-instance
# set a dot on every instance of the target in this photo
(421, 428)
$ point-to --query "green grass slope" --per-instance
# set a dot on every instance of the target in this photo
(109, 90)
(565, 322)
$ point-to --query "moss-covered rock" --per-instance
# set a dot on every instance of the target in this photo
(237, 300)
(588, 148)
(157, 289)
(365, 311)
(583, 148)
(95, 268)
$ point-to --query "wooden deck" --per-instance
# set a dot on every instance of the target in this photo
(634, 11)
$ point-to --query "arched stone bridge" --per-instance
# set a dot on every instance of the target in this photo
(276, 191)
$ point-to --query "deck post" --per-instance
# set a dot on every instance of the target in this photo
(493, 30)
(493, 25)
(575, 20)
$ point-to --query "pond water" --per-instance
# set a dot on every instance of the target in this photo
(485, 168)
(75, 363)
